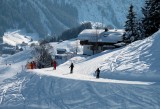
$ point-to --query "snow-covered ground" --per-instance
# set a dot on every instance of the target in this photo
(69, 45)
(13, 64)
(15, 37)
(129, 79)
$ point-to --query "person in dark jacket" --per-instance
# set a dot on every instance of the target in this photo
(97, 72)
(31, 65)
(39, 65)
(71, 66)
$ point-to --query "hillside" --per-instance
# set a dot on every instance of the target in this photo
(129, 79)
(51, 17)
(137, 61)
(15, 37)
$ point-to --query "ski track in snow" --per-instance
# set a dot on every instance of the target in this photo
(31, 91)
(75, 76)
(58, 89)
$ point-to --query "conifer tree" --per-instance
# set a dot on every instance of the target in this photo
(151, 20)
(130, 26)
(139, 31)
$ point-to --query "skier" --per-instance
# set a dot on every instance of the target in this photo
(97, 72)
(31, 65)
(34, 65)
(71, 66)
(39, 65)
(54, 64)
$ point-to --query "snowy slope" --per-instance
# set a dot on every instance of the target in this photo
(57, 89)
(110, 12)
(137, 61)
(30, 91)
(15, 37)
(17, 61)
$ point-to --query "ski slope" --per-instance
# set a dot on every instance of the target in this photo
(13, 64)
(16, 37)
(122, 85)
(30, 91)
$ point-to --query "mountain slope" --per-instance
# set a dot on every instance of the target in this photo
(112, 13)
(43, 17)
(54, 16)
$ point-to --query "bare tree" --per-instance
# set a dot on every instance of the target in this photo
(42, 55)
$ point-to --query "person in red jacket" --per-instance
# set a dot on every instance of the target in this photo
(54, 64)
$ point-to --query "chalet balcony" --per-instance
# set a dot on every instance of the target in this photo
(85, 42)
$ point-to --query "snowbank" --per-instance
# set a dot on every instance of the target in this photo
(139, 60)
(11, 65)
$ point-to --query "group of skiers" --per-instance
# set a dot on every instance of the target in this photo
(32, 65)
(54, 64)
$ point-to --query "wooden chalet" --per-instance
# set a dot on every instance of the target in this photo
(97, 40)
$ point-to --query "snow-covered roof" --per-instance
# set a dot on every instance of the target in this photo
(112, 36)
(100, 35)
(90, 34)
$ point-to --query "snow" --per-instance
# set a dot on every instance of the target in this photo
(129, 79)
(100, 35)
(113, 35)
(32, 91)
(111, 13)
(68, 45)
(17, 61)
(90, 34)
(15, 37)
